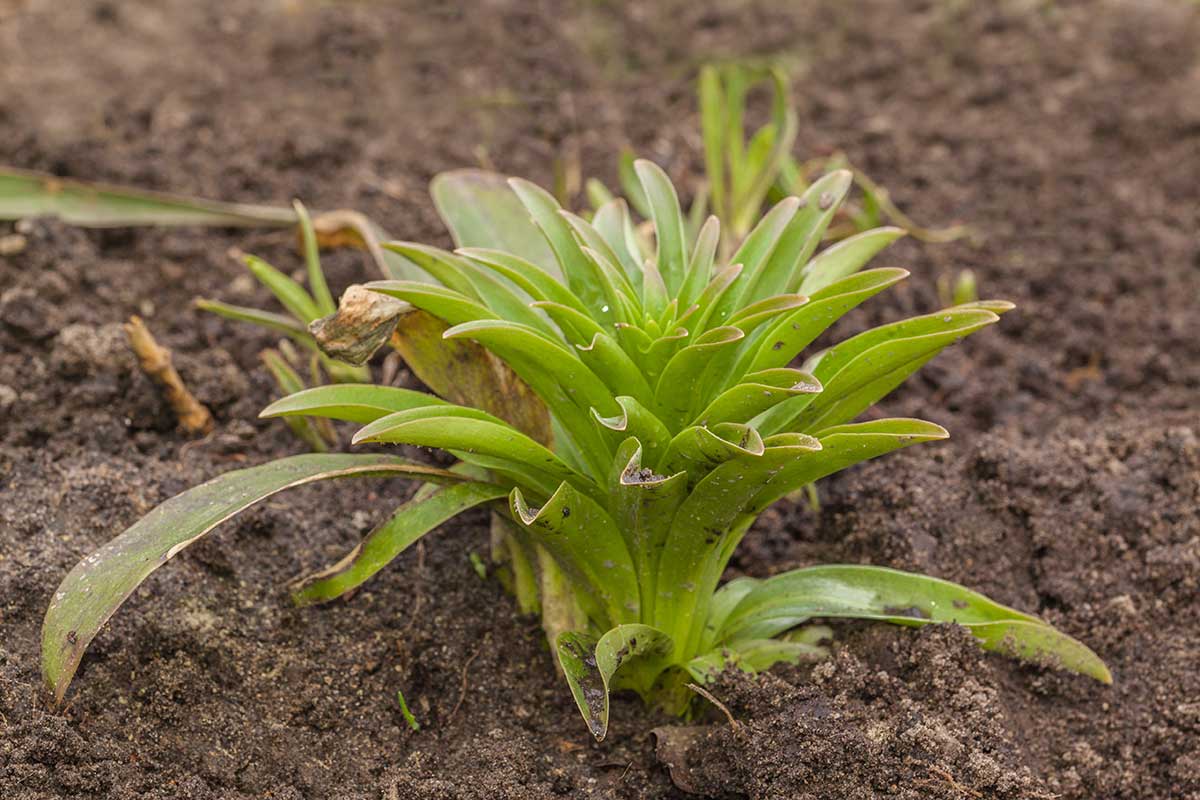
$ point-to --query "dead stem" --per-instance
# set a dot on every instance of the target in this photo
(155, 361)
(710, 697)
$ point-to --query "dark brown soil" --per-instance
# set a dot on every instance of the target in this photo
(1067, 134)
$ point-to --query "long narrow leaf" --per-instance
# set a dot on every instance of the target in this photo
(26, 194)
(860, 592)
(99, 584)
(408, 524)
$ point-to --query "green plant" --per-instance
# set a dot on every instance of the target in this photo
(675, 419)
(742, 171)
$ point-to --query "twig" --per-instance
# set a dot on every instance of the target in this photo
(462, 694)
(948, 778)
(710, 697)
(155, 361)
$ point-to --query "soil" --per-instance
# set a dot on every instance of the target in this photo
(1066, 134)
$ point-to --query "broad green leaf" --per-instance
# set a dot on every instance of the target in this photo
(706, 529)
(605, 258)
(867, 360)
(532, 279)
(698, 450)
(671, 256)
(611, 364)
(637, 421)
(753, 255)
(408, 524)
(446, 304)
(700, 265)
(753, 655)
(361, 402)
(643, 504)
(679, 388)
(779, 271)
(845, 258)
(612, 222)
(841, 447)
(707, 302)
(463, 372)
(724, 601)
(438, 264)
(631, 184)
(783, 341)
(469, 432)
(474, 282)
(26, 194)
(516, 343)
(481, 210)
(97, 586)
(757, 392)
(587, 280)
(860, 592)
(593, 667)
(579, 534)
(289, 382)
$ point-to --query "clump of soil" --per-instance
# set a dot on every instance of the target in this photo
(1065, 135)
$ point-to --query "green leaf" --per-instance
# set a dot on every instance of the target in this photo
(26, 194)
(631, 184)
(481, 210)
(698, 450)
(612, 364)
(290, 294)
(859, 592)
(352, 402)
(753, 255)
(678, 390)
(532, 279)
(288, 382)
(97, 586)
(594, 666)
(861, 370)
(671, 256)
(643, 504)
(312, 260)
(587, 280)
(613, 224)
(464, 372)
(783, 341)
(468, 433)
(637, 421)
(408, 524)
(517, 343)
(712, 127)
(700, 265)
(840, 447)
(578, 533)
(756, 393)
(470, 280)
(267, 319)
(779, 271)
(706, 529)
(753, 655)
(845, 258)
(445, 304)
